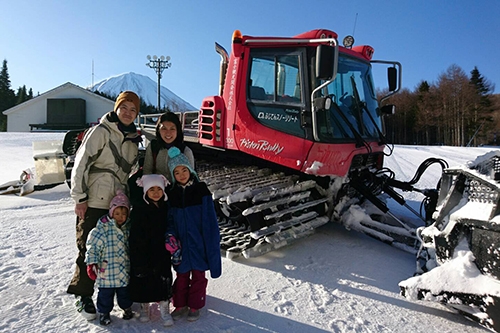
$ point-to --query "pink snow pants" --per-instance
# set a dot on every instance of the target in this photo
(190, 289)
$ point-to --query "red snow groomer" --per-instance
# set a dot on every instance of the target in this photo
(295, 130)
(296, 137)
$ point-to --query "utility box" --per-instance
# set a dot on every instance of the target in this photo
(49, 162)
(66, 111)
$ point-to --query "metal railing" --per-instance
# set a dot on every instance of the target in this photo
(189, 123)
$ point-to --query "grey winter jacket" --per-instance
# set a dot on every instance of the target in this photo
(102, 164)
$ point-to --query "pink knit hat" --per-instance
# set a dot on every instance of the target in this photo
(120, 200)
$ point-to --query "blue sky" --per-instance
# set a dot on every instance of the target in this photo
(48, 43)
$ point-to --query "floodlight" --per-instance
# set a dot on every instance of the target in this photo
(348, 41)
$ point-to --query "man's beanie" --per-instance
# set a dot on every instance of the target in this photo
(176, 158)
(128, 96)
(120, 200)
(148, 181)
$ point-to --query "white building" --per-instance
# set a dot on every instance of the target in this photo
(65, 107)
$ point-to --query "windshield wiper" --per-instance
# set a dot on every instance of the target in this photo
(360, 142)
(360, 107)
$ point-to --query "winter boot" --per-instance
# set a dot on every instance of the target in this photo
(165, 313)
(178, 313)
(193, 315)
(85, 306)
(104, 319)
(144, 314)
(128, 314)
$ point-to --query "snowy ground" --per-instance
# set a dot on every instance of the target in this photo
(332, 281)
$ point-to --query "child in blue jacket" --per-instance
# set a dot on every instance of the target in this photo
(193, 224)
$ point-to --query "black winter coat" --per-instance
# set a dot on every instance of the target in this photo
(150, 263)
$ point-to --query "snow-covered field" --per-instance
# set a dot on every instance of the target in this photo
(332, 281)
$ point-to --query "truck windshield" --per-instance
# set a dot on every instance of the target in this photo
(354, 104)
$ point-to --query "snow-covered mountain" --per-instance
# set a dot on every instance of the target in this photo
(146, 88)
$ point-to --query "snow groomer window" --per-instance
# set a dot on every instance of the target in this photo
(274, 94)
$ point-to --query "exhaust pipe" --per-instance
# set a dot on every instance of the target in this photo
(223, 66)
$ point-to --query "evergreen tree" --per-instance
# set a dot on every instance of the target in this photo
(145, 108)
(21, 95)
(7, 95)
(400, 126)
(481, 109)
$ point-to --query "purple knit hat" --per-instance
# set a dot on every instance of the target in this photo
(120, 200)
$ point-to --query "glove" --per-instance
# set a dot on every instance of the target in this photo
(171, 244)
(177, 257)
(92, 271)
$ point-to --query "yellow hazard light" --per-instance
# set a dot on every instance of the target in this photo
(237, 36)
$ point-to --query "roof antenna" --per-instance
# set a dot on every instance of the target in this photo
(92, 74)
(355, 21)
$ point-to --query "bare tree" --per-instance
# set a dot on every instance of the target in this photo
(400, 126)
(454, 93)
(427, 122)
(457, 110)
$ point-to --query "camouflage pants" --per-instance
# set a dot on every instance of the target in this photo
(81, 284)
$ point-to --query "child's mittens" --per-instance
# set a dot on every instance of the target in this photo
(174, 247)
(171, 244)
(177, 257)
(92, 271)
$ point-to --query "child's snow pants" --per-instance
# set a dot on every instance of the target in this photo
(190, 289)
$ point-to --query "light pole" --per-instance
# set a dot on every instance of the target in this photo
(158, 64)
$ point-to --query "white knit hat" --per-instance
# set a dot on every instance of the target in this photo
(148, 181)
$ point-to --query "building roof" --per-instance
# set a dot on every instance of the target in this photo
(53, 92)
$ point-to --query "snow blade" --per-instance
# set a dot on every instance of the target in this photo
(469, 205)
(484, 309)
(466, 231)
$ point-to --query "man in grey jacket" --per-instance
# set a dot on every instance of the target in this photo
(102, 166)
